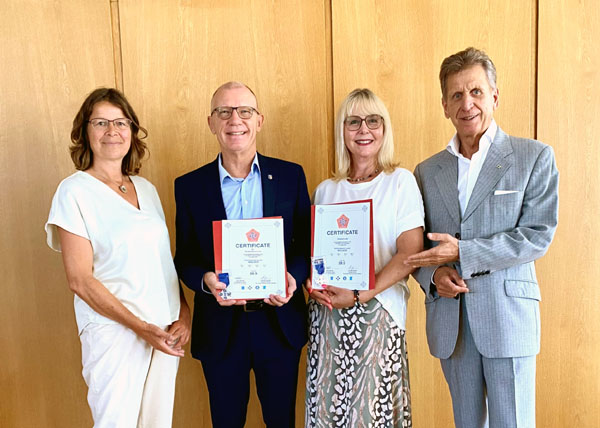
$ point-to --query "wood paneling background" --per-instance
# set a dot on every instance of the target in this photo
(52, 54)
(569, 119)
(301, 58)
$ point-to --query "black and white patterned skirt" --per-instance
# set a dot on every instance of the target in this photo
(357, 374)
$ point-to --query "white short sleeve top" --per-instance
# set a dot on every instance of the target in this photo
(397, 207)
(131, 247)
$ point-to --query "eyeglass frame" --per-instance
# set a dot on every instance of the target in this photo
(216, 109)
(363, 120)
(126, 120)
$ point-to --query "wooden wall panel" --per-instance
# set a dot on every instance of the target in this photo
(569, 120)
(175, 54)
(395, 48)
(53, 53)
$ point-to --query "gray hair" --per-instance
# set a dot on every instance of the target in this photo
(464, 59)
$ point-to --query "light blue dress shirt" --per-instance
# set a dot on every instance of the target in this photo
(242, 197)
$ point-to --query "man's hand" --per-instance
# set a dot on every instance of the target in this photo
(445, 252)
(448, 282)
(277, 300)
(211, 280)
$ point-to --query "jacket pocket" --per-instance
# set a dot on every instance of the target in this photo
(522, 289)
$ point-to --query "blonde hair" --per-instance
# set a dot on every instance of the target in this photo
(367, 101)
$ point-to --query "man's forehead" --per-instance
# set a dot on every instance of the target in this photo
(233, 96)
(470, 77)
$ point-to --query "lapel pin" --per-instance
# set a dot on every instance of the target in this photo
(270, 177)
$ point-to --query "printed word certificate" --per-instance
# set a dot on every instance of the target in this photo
(342, 246)
(250, 257)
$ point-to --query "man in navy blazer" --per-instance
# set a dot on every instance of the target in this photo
(491, 209)
(232, 337)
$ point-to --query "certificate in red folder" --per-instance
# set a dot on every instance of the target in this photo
(342, 245)
(252, 254)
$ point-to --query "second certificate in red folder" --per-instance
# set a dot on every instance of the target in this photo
(342, 246)
(252, 255)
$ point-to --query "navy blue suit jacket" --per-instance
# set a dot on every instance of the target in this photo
(199, 201)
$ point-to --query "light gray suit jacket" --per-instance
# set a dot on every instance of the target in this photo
(509, 222)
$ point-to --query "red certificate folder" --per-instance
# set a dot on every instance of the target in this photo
(371, 255)
(218, 249)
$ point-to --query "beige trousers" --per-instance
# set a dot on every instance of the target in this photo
(129, 383)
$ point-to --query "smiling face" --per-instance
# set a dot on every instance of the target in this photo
(470, 102)
(235, 135)
(108, 144)
(363, 144)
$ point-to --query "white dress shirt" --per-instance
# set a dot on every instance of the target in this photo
(469, 169)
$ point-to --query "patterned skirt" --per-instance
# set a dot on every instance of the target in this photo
(357, 374)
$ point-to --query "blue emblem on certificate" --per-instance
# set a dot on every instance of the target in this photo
(319, 267)
(224, 278)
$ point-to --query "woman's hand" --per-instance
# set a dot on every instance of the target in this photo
(321, 297)
(159, 339)
(340, 297)
(180, 329)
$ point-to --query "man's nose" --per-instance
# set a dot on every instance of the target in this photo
(467, 102)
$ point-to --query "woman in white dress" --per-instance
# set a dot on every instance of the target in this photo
(357, 373)
(108, 222)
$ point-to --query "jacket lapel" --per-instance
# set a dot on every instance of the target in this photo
(267, 177)
(213, 190)
(498, 160)
(446, 180)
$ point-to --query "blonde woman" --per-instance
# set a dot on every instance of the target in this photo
(357, 372)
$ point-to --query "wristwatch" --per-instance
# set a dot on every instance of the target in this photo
(356, 298)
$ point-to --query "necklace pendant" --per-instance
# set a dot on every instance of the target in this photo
(122, 188)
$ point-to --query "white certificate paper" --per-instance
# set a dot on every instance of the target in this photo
(251, 252)
(342, 250)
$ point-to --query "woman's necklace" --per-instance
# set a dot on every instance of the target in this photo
(359, 179)
(121, 186)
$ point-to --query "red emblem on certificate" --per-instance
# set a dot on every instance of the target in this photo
(252, 235)
(342, 222)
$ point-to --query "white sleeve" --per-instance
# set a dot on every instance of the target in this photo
(410, 212)
(65, 213)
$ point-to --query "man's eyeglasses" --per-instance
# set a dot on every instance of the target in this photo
(373, 121)
(244, 112)
(120, 124)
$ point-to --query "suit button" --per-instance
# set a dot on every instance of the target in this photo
(457, 235)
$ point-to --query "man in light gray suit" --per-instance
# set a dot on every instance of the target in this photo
(491, 208)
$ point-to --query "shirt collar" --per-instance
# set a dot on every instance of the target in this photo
(223, 174)
(484, 143)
